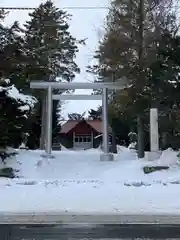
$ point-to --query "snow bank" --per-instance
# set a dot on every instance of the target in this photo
(88, 197)
(86, 164)
(168, 158)
(63, 148)
(78, 181)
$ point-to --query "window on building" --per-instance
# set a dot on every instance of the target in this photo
(88, 139)
(84, 139)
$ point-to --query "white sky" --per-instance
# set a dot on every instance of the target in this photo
(84, 24)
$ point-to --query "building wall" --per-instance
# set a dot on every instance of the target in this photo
(65, 140)
(82, 129)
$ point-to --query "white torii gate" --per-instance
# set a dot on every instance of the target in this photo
(77, 85)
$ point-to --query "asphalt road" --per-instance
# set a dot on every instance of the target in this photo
(64, 232)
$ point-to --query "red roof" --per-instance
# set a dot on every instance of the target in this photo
(70, 124)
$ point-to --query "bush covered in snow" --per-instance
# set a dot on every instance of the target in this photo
(7, 172)
(133, 140)
(14, 110)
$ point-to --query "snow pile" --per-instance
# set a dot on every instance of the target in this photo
(121, 149)
(78, 181)
(63, 148)
(168, 158)
(132, 145)
(86, 164)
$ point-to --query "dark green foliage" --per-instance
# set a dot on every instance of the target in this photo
(164, 86)
(55, 123)
(95, 114)
(51, 51)
(4, 154)
(43, 50)
(154, 78)
(34, 130)
(50, 47)
(12, 118)
(7, 173)
(76, 116)
(148, 170)
(12, 53)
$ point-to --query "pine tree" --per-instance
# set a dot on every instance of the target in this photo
(133, 33)
(14, 105)
(164, 85)
(95, 114)
(76, 116)
(50, 48)
(12, 54)
(15, 109)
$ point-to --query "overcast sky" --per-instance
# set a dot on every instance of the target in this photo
(84, 24)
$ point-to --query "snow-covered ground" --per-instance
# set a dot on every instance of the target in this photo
(77, 181)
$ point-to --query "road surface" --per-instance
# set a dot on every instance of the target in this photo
(65, 232)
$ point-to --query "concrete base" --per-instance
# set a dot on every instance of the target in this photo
(48, 156)
(106, 157)
(154, 155)
(24, 148)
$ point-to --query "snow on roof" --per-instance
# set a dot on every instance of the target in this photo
(70, 124)
(76, 182)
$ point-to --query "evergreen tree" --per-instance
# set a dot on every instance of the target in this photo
(76, 116)
(133, 32)
(15, 108)
(50, 49)
(95, 114)
(55, 123)
(164, 85)
(14, 105)
(12, 54)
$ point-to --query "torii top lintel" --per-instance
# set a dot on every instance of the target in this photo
(77, 85)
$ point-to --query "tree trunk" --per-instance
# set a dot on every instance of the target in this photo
(43, 123)
(140, 126)
(114, 147)
(164, 140)
(140, 143)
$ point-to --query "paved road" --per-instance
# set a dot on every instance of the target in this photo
(57, 232)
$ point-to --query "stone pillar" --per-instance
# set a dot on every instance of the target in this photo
(154, 135)
(105, 121)
(49, 125)
(106, 156)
